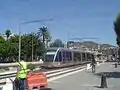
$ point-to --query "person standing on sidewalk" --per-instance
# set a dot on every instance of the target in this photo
(22, 75)
(93, 62)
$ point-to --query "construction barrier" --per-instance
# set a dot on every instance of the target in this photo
(36, 81)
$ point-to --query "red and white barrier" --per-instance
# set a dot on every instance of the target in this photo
(88, 66)
(8, 85)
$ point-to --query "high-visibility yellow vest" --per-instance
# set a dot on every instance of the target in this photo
(23, 70)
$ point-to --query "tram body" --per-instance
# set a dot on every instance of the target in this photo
(60, 57)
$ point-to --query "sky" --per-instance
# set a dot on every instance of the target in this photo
(71, 18)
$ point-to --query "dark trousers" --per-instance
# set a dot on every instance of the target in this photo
(23, 84)
(93, 68)
(20, 84)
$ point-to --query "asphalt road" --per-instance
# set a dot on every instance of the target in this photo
(85, 80)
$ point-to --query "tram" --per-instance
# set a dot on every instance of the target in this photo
(60, 57)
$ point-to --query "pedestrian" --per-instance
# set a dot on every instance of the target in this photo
(93, 62)
(22, 75)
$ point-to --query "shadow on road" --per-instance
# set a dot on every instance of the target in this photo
(97, 86)
(109, 74)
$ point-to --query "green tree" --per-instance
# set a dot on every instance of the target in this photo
(2, 39)
(7, 33)
(28, 45)
(57, 43)
(117, 28)
(29, 42)
(5, 49)
(14, 42)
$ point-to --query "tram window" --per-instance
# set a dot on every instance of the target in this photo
(67, 56)
(49, 58)
(70, 56)
(93, 56)
(77, 56)
(83, 56)
(58, 57)
(51, 50)
(64, 54)
(88, 57)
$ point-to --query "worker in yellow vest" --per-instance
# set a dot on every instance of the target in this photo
(22, 74)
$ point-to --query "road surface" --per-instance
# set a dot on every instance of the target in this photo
(85, 80)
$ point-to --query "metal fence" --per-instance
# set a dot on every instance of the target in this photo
(4, 65)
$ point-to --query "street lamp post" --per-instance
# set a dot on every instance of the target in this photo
(19, 28)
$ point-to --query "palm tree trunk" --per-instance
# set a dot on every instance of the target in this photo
(44, 46)
(43, 38)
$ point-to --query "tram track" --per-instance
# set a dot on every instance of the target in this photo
(49, 73)
(46, 71)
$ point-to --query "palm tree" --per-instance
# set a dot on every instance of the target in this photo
(7, 33)
(48, 38)
(43, 32)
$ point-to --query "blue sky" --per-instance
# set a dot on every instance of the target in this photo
(71, 18)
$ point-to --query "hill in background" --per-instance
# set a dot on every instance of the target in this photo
(91, 44)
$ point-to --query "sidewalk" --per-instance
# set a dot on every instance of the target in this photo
(85, 80)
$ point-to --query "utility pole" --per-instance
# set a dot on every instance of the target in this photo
(19, 43)
(32, 45)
